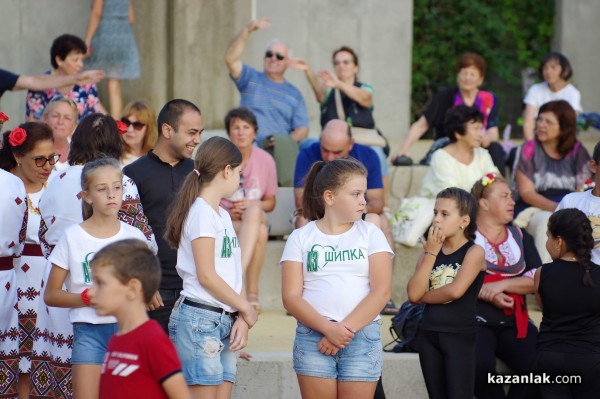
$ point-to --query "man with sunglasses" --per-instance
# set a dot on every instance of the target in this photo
(158, 175)
(278, 105)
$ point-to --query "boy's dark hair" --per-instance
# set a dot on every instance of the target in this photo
(566, 71)
(63, 45)
(456, 120)
(242, 113)
(131, 258)
(467, 206)
(171, 113)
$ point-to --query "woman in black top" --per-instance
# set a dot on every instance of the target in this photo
(448, 277)
(568, 291)
(470, 73)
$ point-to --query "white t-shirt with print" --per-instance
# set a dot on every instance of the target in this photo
(74, 252)
(203, 221)
(335, 267)
(589, 204)
(540, 93)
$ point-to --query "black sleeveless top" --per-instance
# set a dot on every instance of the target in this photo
(458, 315)
(571, 314)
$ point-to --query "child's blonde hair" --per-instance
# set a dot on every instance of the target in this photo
(86, 176)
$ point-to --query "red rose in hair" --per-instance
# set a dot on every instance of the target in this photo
(3, 117)
(121, 127)
(17, 136)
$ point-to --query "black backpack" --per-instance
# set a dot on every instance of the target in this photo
(405, 328)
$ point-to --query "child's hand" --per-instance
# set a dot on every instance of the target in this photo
(435, 239)
(156, 302)
(238, 339)
(338, 334)
(326, 347)
(249, 315)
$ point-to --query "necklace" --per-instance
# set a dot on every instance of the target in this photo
(30, 206)
(331, 244)
(336, 246)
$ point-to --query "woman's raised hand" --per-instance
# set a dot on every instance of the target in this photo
(329, 79)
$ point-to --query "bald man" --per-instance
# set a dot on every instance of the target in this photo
(337, 142)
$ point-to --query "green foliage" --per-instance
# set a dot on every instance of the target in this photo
(511, 35)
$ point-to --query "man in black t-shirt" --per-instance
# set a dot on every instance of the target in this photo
(158, 176)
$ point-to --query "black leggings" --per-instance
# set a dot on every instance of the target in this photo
(448, 363)
(586, 365)
(518, 353)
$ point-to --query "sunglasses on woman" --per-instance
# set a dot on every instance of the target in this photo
(41, 161)
(269, 54)
(136, 125)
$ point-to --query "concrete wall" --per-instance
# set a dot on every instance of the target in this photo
(182, 45)
(577, 32)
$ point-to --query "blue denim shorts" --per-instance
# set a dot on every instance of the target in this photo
(90, 341)
(361, 360)
(201, 338)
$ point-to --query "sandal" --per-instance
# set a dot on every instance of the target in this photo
(253, 301)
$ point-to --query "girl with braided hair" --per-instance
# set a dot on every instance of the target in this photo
(568, 291)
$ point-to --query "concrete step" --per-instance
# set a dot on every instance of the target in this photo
(271, 375)
(270, 372)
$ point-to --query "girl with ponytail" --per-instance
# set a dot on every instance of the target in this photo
(211, 318)
(568, 291)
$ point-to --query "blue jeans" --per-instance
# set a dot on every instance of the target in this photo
(90, 342)
(360, 360)
(201, 338)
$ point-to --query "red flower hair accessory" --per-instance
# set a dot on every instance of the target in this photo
(488, 179)
(121, 127)
(17, 136)
(3, 118)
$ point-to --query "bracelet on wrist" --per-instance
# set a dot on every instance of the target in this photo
(430, 253)
(85, 297)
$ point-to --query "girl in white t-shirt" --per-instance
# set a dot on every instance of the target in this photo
(212, 317)
(336, 278)
(102, 184)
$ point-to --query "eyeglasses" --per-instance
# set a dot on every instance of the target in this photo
(345, 62)
(269, 54)
(546, 121)
(41, 161)
(136, 125)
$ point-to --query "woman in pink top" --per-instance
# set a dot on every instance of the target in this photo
(248, 207)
